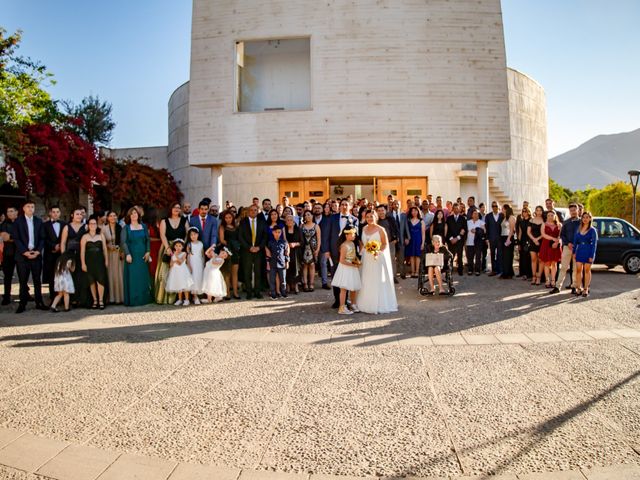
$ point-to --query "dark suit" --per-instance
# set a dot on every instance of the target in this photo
(250, 262)
(493, 235)
(29, 266)
(50, 255)
(9, 261)
(332, 244)
(455, 226)
(404, 233)
(210, 235)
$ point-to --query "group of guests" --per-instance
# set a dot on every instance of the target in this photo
(203, 255)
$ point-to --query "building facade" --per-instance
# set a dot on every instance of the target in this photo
(321, 99)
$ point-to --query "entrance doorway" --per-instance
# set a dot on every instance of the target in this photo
(401, 188)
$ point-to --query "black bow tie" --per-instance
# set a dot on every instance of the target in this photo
(344, 216)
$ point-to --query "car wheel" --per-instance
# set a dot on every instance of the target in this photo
(631, 263)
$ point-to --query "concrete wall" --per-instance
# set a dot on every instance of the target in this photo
(155, 157)
(390, 80)
(195, 183)
(243, 183)
(526, 175)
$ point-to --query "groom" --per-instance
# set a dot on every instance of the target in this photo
(329, 242)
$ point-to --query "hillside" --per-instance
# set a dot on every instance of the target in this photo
(602, 160)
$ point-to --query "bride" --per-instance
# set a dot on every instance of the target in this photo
(378, 294)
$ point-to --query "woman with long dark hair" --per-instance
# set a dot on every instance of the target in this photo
(70, 247)
(534, 232)
(228, 235)
(413, 251)
(524, 244)
(112, 232)
(507, 233)
(550, 251)
(136, 244)
(172, 228)
(95, 261)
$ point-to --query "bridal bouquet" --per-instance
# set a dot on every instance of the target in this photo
(373, 247)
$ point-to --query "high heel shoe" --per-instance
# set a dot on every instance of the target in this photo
(585, 293)
(94, 306)
(101, 306)
(533, 280)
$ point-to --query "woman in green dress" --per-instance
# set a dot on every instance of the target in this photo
(171, 228)
(94, 258)
(136, 244)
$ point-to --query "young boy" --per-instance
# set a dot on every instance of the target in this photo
(278, 255)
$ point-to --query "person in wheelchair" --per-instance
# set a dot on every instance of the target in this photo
(437, 246)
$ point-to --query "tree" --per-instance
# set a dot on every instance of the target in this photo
(129, 182)
(96, 125)
(614, 200)
(54, 163)
(559, 194)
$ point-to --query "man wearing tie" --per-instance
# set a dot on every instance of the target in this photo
(29, 246)
(404, 237)
(457, 233)
(206, 224)
(51, 232)
(331, 249)
(253, 239)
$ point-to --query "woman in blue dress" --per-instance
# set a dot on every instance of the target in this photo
(413, 251)
(585, 241)
(137, 249)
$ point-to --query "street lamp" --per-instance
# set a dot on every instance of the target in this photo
(633, 176)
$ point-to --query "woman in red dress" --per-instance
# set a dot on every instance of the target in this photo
(550, 249)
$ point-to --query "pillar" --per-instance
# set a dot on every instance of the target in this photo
(483, 183)
(216, 186)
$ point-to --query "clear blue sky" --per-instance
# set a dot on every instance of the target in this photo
(585, 53)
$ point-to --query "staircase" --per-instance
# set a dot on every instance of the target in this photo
(496, 193)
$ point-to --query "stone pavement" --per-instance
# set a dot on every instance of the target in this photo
(501, 379)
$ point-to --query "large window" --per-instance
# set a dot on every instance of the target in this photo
(273, 75)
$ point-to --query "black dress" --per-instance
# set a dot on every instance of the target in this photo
(94, 259)
(535, 232)
(295, 255)
(438, 229)
(82, 296)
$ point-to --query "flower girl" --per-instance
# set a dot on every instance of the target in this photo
(195, 253)
(347, 276)
(179, 279)
(213, 283)
(63, 282)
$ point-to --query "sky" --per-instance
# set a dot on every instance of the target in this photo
(134, 54)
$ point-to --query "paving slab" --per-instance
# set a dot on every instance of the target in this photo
(133, 467)
(567, 475)
(190, 471)
(626, 332)
(513, 338)
(480, 339)
(622, 472)
(78, 462)
(267, 475)
(544, 337)
(574, 336)
(601, 334)
(454, 339)
(8, 435)
(29, 452)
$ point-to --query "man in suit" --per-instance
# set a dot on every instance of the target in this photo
(323, 222)
(29, 245)
(329, 244)
(253, 239)
(7, 230)
(492, 222)
(52, 229)
(186, 211)
(263, 216)
(456, 234)
(391, 227)
(404, 237)
(206, 224)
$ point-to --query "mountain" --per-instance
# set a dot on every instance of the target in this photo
(602, 160)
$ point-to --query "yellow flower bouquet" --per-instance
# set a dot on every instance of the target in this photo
(373, 247)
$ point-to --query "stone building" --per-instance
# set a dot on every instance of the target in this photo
(321, 99)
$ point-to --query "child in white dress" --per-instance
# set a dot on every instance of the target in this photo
(213, 282)
(347, 276)
(63, 282)
(195, 254)
(179, 279)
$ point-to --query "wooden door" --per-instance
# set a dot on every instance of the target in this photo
(293, 189)
(388, 186)
(412, 187)
(300, 190)
(401, 188)
(316, 189)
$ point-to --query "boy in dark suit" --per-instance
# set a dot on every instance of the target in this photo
(29, 245)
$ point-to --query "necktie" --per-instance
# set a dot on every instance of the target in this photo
(345, 216)
(204, 220)
(253, 232)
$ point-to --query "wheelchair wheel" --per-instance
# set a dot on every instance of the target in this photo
(452, 291)
(424, 291)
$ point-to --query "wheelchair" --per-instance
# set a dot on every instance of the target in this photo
(447, 276)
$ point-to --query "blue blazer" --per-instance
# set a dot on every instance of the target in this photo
(210, 235)
(493, 228)
(21, 235)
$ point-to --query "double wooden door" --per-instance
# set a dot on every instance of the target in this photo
(300, 190)
(401, 188)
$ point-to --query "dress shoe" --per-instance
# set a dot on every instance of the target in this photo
(42, 306)
(326, 287)
(395, 280)
(335, 305)
(20, 308)
(403, 276)
(554, 290)
(492, 274)
(6, 301)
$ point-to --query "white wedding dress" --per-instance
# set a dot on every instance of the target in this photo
(378, 294)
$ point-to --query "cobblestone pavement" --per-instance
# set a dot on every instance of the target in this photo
(501, 379)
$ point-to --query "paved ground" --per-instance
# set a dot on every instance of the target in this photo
(499, 379)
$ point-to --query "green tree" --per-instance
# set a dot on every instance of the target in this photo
(614, 200)
(560, 194)
(95, 125)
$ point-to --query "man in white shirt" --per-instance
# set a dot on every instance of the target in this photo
(474, 243)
